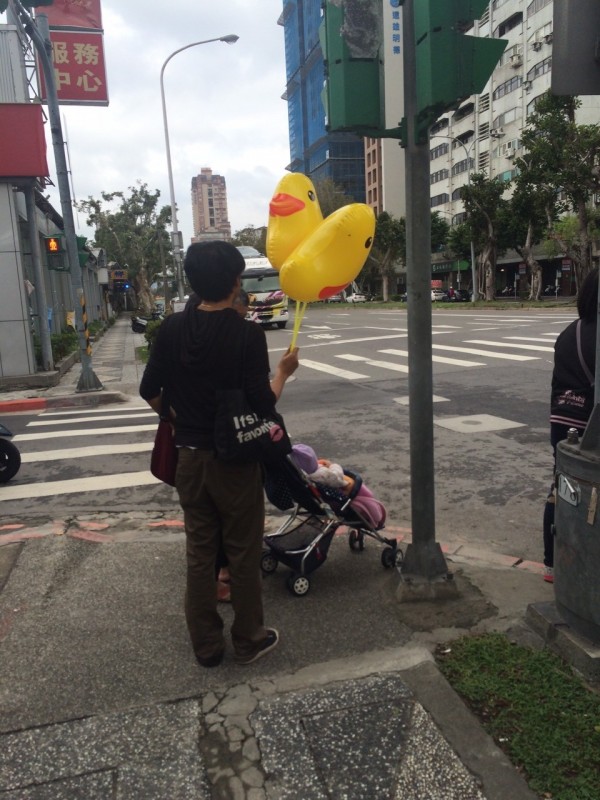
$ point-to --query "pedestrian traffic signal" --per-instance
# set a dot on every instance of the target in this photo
(53, 244)
(352, 44)
(451, 66)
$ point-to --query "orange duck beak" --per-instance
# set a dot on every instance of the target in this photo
(284, 205)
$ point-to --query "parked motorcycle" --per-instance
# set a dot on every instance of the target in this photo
(138, 324)
(10, 458)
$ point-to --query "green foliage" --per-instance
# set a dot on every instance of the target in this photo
(331, 196)
(439, 232)
(535, 708)
(251, 237)
(130, 228)
(151, 331)
(63, 344)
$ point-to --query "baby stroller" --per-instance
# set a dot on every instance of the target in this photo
(315, 513)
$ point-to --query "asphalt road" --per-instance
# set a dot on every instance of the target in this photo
(349, 401)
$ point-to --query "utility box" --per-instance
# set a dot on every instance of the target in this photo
(577, 539)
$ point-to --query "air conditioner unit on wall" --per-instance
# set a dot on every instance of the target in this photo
(516, 60)
(536, 45)
(511, 155)
(548, 37)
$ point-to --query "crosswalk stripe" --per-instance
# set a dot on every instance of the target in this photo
(532, 339)
(518, 346)
(82, 420)
(331, 370)
(86, 411)
(372, 363)
(31, 437)
(83, 452)
(473, 351)
(97, 483)
(438, 359)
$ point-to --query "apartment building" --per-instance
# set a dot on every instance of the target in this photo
(209, 207)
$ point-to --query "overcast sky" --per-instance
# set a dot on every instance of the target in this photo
(224, 105)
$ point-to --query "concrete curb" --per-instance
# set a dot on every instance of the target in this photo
(95, 398)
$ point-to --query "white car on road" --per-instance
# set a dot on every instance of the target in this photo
(356, 298)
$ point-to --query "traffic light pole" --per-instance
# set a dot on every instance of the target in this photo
(424, 564)
(40, 36)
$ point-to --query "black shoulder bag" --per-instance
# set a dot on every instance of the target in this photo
(242, 435)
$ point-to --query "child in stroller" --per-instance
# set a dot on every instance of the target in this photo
(320, 496)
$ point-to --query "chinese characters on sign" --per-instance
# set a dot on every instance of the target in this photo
(395, 27)
(79, 68)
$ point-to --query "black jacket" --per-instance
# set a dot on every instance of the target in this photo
(197, 352)
(572, 397)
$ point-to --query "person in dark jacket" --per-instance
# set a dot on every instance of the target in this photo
(196, 353)
(572, 395)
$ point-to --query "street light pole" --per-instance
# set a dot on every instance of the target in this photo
(468, 154)
(176, 236)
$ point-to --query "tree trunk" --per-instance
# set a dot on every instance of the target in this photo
(145, 298)
(488, 264)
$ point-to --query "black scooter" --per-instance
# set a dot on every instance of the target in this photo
(10, 458)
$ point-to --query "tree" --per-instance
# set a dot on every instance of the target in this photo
(389, 246)
(134, 234)
(331, 196)
(564, 157)
(526, 220)
(485, 206)
(251, 237)
(439, 232)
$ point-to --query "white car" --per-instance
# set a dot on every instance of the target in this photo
(356, 298)
(437, 294)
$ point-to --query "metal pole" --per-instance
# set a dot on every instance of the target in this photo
(40, 36)
(424, 558)
(229, 39)
(40, 288)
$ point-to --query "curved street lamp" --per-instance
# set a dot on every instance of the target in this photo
(468, 154)
(230, 38)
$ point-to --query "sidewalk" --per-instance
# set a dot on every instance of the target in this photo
(101, 697)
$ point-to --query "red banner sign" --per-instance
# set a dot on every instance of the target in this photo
(74, 14)
(79, 68)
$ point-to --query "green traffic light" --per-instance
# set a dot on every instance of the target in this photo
(451, 65)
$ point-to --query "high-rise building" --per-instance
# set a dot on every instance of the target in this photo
(209, 207)
(313, 151)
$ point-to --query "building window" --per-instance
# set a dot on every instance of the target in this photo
(508, 25)
(441, 125)
(536, 6)
(463, 112)
(439, 200)
(456, 193)
(508, 116)
(508, 86)
(458, 219)
(463, 166)
(440, 175)
(438, 151)
(540, 68)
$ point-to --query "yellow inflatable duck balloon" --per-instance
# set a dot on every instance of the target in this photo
(294, 213)
(330, 257)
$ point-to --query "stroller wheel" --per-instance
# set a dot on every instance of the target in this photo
(298, 584)
(388, 557)
(356, 540)
(268, 562)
